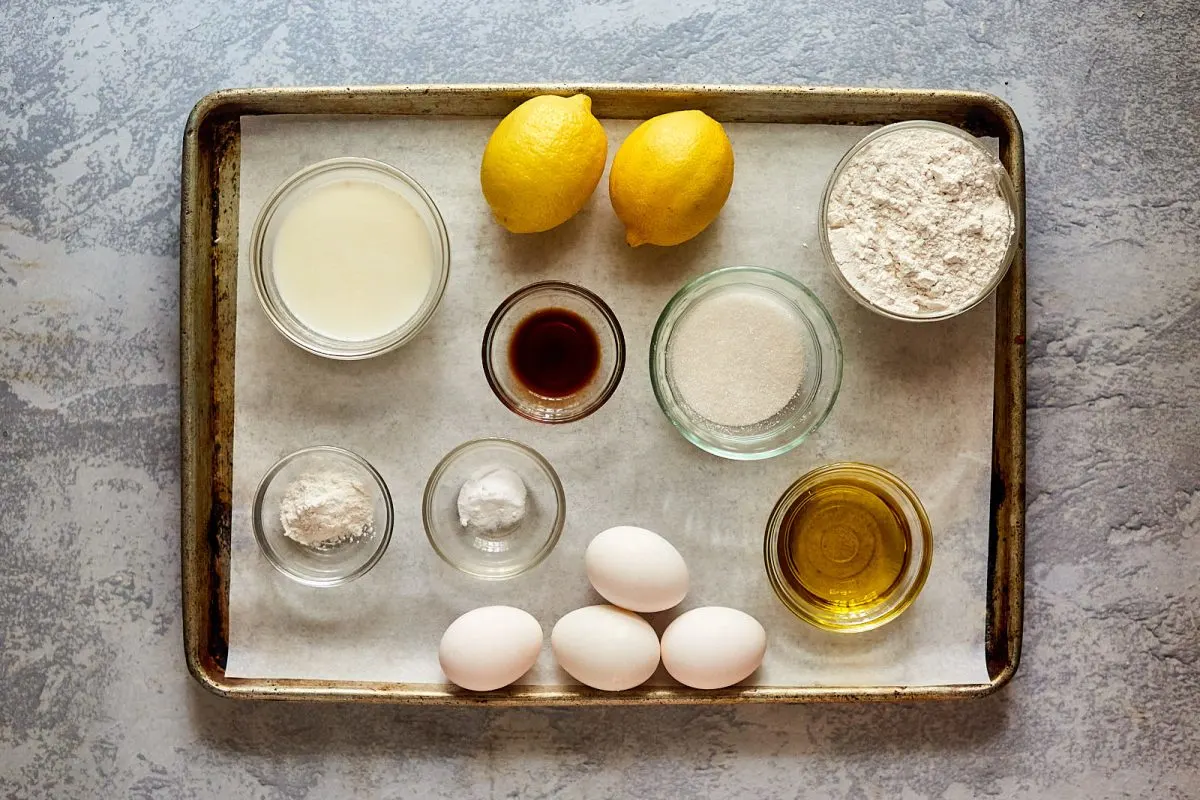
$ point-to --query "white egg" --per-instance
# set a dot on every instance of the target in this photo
(713, 647)
(490, 647)
(605, 647)
(636, 569)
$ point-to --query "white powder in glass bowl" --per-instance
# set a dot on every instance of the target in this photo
(325, 509)
(917, 223)
(492, 501)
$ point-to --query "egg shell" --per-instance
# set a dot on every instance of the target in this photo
(713, 647)
(636, 569)
(605, 647)
(490, 647)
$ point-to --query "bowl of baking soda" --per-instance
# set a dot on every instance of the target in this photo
(919, 221)
(745, 362)
(493, 508)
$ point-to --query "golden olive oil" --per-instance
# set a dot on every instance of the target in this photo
(844, 545)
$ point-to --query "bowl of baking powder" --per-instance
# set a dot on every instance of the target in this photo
(322, 516)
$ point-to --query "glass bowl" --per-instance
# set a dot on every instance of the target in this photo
(494, 555)
(265, 235)
(814, 397)
(519, 307)
(1003, 182)
(908, 512)
(331, 565)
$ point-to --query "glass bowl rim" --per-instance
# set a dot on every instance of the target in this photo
(590, 298)
(278, 314)
(659, 338)
(380, 540)
(1007, 190)
(560, 503)
(897, 487)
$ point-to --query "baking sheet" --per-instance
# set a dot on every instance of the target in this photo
(916, 399)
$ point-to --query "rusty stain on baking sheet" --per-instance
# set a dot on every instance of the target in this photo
(208, 271)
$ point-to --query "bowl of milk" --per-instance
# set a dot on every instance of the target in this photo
(350, 258)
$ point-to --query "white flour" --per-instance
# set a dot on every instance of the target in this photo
(324, 509)
(917, 223)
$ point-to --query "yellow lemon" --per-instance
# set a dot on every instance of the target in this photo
(671, 177)
(543, 162)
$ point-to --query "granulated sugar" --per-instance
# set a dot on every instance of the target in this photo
(917, 223)
(737, 357)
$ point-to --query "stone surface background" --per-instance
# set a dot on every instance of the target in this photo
(94, 698)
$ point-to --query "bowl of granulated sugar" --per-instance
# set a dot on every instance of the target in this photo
(745, 362)
(919, 221)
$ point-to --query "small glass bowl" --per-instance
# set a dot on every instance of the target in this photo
(336, 564)
(508, 552)
(919, 539)
(1006, 189)
(809, 406)
(518, 307)
(262, 246)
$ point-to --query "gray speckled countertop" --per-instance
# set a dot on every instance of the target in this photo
(94, 697)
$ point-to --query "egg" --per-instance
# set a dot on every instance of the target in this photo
(490, 647)
(713, 647)
(605, 647)
(636, 569)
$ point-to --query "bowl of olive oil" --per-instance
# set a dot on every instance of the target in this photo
(848, 547)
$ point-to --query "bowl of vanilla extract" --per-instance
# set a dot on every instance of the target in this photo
(553, 352)
(848, 547)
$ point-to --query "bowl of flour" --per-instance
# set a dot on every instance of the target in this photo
(919, 221)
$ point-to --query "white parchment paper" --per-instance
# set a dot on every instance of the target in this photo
(916, 399)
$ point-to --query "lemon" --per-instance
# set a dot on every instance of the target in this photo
(671, 177)
(543, 162)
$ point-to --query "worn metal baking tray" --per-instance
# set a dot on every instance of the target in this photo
(208, 270)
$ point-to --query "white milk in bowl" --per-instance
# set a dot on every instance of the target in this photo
(353, 260)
